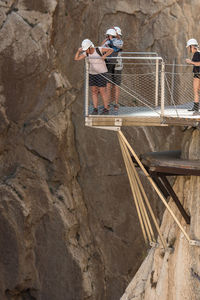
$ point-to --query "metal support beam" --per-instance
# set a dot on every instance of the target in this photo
(111, 128)
(154, 186)
(156, 179)
(175, 198)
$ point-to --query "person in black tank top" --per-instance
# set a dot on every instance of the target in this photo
(193, 47)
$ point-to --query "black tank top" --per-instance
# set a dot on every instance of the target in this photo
(196, 57)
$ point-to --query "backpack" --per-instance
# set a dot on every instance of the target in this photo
(116, 49)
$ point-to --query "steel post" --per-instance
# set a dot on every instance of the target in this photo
(162, 88)
(86, 87)
(157, 82)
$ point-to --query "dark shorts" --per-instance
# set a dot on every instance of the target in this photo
(99, 80)
(197, 75)
(114, 76)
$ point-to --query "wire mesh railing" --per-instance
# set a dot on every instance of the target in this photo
(138, 85)
(179, 95)
(130, 86)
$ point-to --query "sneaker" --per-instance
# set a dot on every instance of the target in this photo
(196, 113)
(195, 107)
(110, 105)
(105, 111)
(95, 111)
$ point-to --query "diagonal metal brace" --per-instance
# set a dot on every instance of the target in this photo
(175, 198)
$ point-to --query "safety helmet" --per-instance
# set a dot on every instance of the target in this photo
(86, 44)
(192, 42)
(111, 32)
(118, 30)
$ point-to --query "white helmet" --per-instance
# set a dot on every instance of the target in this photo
(111, 32)
(118, 30)
(86, 44)
(192, 42)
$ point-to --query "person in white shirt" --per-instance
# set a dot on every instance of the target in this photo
(97, 71)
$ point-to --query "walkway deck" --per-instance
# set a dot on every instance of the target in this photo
(170, 163)
(144, 116)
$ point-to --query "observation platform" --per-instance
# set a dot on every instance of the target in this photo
(151, 93)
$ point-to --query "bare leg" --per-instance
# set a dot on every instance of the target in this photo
(112, 93)
(196, 86)
(108, 91)
(117, 90)
(95, 90)
(104, 94)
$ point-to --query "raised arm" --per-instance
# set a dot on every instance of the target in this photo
(78, 55)
(106, 52)
(104, 41)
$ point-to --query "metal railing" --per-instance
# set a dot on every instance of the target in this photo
(146, 86)
(138, 83)
(178, 87)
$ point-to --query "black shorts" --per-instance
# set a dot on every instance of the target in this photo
(111, 67)
(114, 76)
(117, 77)
(197, 75)
(99, 80)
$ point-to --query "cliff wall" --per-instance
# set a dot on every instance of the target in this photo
(68, 227)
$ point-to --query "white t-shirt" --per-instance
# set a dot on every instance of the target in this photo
(97, 65)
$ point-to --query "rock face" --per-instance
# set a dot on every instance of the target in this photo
(174, 274)
(68, 228)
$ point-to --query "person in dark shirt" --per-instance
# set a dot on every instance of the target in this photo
(113, 40)
(193, 46)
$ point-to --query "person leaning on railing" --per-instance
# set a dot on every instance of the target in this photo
(193, 47)
(114, 41)
(97, 71)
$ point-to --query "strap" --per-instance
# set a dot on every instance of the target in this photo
(98, 51)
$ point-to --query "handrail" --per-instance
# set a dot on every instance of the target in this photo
(133, 57)
(141, 57)
(142, 53)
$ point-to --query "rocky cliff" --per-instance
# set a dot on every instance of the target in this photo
(68, 227)
(174, 274)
